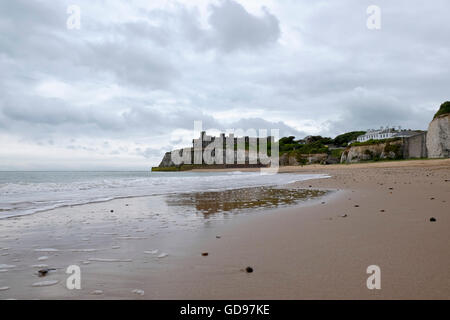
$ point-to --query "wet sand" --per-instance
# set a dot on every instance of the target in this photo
(379, 214)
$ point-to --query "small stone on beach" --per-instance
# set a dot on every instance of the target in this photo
(44, 272)
(46, 250)
(151, 251)
(109, 260)
(83, 250)
(249, 269)
(45, 283)
(432, 219)
(205, 254)
(343, 215)
(97, 292)
(139, 292)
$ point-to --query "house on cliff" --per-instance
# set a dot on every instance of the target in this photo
(386, 133)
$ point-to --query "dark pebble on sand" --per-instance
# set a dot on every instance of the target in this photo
(382, 210)
(431, 198)
(205, 254)
(356, 205)
(112, 211)
(43, 272)
(433, 219)
(391, 188)
(249, 269)
(218, 237)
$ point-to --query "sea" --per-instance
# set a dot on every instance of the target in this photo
(29, 192)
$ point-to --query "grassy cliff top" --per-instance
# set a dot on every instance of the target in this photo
(445, 108)
(374, 142)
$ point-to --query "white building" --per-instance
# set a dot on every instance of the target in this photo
(378, 134)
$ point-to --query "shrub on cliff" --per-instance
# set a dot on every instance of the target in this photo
(288, 144)
(393, 148)
(445, 108)
(316, 145)
(373, 142)
(336, 153)
(311, 148)
(301, 159)
(343, 139)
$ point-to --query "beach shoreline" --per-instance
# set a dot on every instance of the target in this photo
(380, 215)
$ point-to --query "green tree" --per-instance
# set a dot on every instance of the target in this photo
(343, 139)
(445, 108)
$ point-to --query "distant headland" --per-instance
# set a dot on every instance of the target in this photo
(386, 143)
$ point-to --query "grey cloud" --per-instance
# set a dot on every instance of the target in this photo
(259, 123)
(132, 63)
(365, 110)
(152, 152)
(39, 118)
(235, 28)
(143, 30)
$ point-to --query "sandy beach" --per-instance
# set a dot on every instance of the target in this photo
(375, 214)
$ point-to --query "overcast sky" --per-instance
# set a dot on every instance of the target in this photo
(129, 84)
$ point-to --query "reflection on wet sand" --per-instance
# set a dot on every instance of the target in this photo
(240, 199)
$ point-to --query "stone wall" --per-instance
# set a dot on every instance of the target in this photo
(415, 146)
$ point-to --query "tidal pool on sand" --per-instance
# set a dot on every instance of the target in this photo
(236, 200)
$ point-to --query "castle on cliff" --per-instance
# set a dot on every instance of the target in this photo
(228, 151)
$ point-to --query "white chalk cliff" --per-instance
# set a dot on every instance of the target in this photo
(438, 137)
